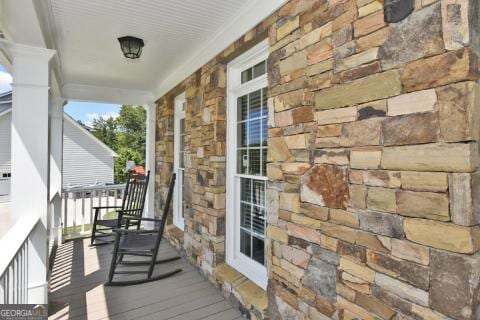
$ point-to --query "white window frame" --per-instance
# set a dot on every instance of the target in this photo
(253, 270)
(179, 114)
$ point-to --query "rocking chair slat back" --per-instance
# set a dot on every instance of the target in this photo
(135, 193)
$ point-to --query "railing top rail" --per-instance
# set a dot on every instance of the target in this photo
(13, 240)
(95, 188)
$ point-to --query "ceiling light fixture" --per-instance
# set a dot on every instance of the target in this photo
(131, 47)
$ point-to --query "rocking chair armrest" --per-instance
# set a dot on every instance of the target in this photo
(141, 218)
(130, 231)
(107, 207)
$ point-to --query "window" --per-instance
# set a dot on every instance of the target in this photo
(179, 161)
(247, 131)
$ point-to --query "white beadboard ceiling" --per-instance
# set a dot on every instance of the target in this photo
(86, 32)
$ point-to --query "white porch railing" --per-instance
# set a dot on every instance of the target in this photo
(78, 204)
(14, 254)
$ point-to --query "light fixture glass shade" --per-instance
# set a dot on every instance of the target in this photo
(131, 47)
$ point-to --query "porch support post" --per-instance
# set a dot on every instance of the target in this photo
(150, 158)
(30, 157)
(56, 167)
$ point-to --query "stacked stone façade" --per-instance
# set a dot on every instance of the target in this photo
(373, 194)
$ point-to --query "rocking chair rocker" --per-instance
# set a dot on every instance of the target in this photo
(132, 206)
(143, 243)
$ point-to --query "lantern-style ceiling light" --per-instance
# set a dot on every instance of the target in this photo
(131, 47)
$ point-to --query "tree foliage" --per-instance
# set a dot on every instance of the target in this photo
(126, 135)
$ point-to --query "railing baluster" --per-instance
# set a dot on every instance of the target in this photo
(91, 209)
(65, 213)
(83, 212)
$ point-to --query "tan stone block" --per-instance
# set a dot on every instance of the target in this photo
(424, 181)
(375, 87)
(368, 24)
(371, 241)
(462, 199)
(372, 7)
(343, 217)
(277, 234)
(253, 295)
(320, 52)
(402, 289)
(290, 202)
(426, 313)
(423, 205)
(332, 156)
(356, 60)
(453, 66)
(292, 269)
(432, 157)
(329, 243)
(374, 305)
(320, 67)
(340, 232)
(291, 99)
(365, 158)
(300, 258)
(358, 196)
(315, 35)
(345, 19)
(296, 168)
(305, 221)
(357, 270)
(420, 101)
(356, 176)
(382, 178)
(410, 251)
(304, 233)
(336, 116)
(294, 62)
(362, 133)
(274, 172)
(288, 27)
(278, 150)
(381, 199)
(442, 235)
(375, 39)
(226, 274)
(298, 141)
(355, 283)
(455, 23)
(314, 212)
(284, 118)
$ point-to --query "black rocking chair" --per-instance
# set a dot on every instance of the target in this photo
(142, 243)
(132, 206)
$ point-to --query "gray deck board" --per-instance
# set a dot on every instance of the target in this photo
(77, 289)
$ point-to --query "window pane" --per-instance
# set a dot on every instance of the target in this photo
(246, 216)
(258, 246)
(242, 161)
(242, 134)
(255, 104)
(254, 161)
(182, 184)
(245, 243)
(259, 69)
(258, 194)
(258, 221)
(254, 133)
(242, 107)
(264, 135)
(246, 189)
(247, 75)
(264, 102)
(264, 162)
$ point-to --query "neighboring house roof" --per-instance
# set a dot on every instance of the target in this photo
(6, 107)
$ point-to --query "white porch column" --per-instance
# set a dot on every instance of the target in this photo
(150, 158)
(30, 156)
(56, 166)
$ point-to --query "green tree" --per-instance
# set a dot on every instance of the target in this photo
(126, 135)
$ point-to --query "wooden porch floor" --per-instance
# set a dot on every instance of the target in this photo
(77, 289)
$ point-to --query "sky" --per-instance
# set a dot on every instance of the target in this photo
(84, 111)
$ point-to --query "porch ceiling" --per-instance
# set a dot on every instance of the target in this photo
(179, 37)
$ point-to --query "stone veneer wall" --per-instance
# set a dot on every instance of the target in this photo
(373, 194)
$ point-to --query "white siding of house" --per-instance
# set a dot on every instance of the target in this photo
(5, 142)
(85, 161)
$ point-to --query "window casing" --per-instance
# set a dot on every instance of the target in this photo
(247, 131)
(179, 161)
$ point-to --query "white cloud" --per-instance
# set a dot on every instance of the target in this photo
(93, 116)
(5, 81)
